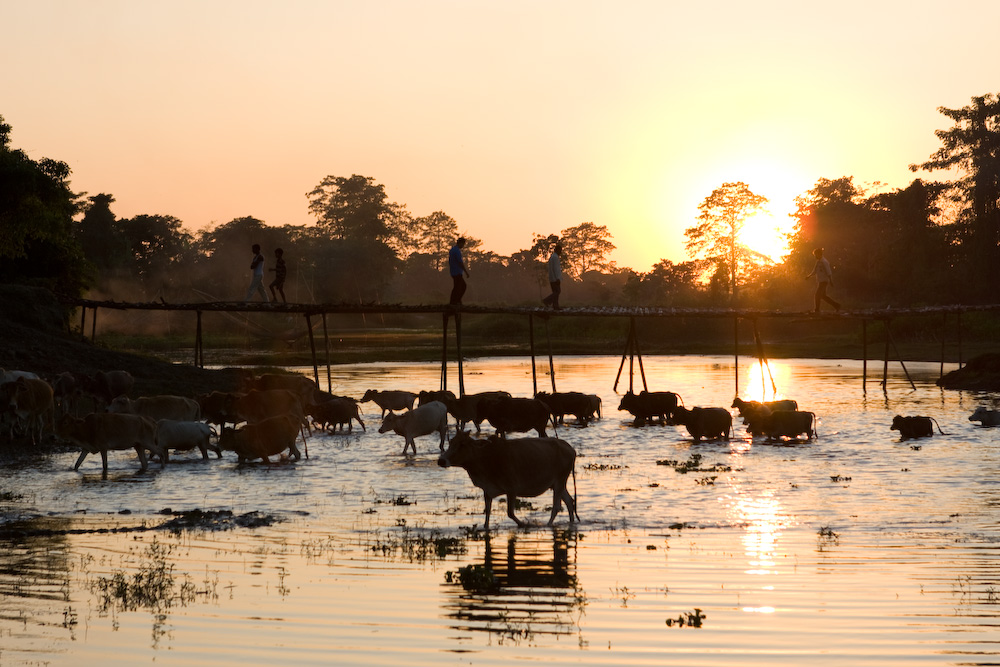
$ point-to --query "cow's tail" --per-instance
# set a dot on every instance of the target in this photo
(573, 509)
(815, 420)
(938, 426)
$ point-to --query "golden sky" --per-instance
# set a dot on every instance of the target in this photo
(513, 117)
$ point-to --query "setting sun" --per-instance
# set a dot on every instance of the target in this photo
(767, 233)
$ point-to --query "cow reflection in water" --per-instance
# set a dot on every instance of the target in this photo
(524, 591)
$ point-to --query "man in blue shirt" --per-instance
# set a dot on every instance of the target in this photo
(456, 266)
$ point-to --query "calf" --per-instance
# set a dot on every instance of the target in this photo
(525, 467)
(390, 400)
(467, 409)
(30, 400)
(789, 424)
(424, 420)
(259, 440)
(565, 403)
(515, 414)
(914, 427)
(185, 436)
(646, 405)
(100, 432)
(985, 417)
(708, 423)
(178, 408)
(335, 412)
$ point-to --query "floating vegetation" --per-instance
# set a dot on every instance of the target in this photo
(153, 586)
(473, 578)
(216, 520)
(624, 593)
(9, 496)
(839, 478)
(688, 619)
(604, 466)
(693, 464)
(416, 547)
(708, 481)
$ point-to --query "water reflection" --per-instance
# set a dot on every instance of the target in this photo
(526, 586)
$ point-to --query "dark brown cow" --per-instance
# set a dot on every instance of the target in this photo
(443, 395)
(262, 439)
(789, 424)
(257, 405)
(562, 403)
(178, 408)
(335, 412)
(708, 423)
(525, 467)
(515, 414)
(109, 385)
(100, 432)
(466, 409)
(646, 405)
(298, 384)
(214, 408)
(390, 400)
(914, 427)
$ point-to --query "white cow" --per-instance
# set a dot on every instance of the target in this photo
(184, 436)
(423, 420)
(986, 417)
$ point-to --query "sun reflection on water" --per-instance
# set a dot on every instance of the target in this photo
(765, 381)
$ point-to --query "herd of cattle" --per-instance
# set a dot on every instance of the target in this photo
(274, 412)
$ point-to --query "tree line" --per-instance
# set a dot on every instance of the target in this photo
(931, 242)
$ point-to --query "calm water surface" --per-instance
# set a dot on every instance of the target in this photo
(853, 549)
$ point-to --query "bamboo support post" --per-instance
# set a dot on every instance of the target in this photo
(326, 344)
(199, 353)
(552, 367)
(736, 355)
(444, 352)
(531, 344)
(864, 356)
(312, 347)
(458, 349)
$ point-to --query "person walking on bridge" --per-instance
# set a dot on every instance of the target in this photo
(824, 279)
(257, 273)
(456, 267)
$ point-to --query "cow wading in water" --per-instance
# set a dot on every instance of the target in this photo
(525, 467)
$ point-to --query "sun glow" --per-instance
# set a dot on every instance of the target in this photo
(764, 382)
(767, 234)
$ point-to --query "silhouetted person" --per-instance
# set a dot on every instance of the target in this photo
(824, 279)
(555, 277)
(456, 266)
(257, 272)
(279, 275)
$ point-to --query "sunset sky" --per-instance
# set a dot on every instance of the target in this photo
(513, 117)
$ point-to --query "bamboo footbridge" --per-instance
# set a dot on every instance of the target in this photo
(631, 351)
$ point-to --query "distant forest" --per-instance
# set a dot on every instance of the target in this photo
(930, 243)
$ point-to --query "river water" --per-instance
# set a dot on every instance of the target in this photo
(856, 548)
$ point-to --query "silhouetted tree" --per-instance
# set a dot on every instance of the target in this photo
(352, 208)
(158, 245)
(102, 238)
(434, 235)
(972, 145)
(717, 236)
(37, 246)
(586, 248)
